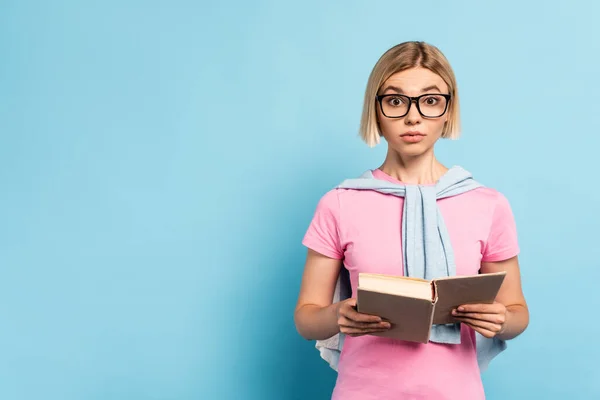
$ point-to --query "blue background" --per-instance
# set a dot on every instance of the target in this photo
(160, 163)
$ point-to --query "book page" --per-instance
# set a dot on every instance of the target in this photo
(396, 285)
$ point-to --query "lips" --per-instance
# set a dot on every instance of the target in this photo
(415, 133)
(412, 137)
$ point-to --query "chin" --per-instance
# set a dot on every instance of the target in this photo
(412, 150)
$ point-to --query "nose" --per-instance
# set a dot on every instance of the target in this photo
(413, 116)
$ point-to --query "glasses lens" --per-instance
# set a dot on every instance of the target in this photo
(432, 105)
(395, 106)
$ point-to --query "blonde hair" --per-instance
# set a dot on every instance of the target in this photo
(399, 58)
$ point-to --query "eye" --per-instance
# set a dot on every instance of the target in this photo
(431, 100)
(395, 101)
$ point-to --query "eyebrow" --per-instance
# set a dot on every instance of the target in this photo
(400, 91)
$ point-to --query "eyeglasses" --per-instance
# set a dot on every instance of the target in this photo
(430, 105)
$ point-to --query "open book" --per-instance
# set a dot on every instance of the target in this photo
(413, 305)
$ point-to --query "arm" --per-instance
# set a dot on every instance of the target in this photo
(315, 316)
(511, 296)
(508, 316)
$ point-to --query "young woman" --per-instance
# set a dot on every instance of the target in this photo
(411, 101)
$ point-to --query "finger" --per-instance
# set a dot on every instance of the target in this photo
(359, 317)
(486, 333)
(363, 325)
(351, 302)
(493, 308)
(359, 332)
(490, 326)
(494, 318)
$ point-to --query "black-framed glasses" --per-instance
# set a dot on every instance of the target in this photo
(430, 105)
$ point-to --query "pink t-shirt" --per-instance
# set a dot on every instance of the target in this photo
(363, 228)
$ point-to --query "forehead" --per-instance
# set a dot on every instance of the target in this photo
(414, 80)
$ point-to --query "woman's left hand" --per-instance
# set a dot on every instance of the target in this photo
(487, 319)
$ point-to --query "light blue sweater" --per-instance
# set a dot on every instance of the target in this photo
(426, 249)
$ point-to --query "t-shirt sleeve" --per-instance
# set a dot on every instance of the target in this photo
(323, 235)
(502, 242)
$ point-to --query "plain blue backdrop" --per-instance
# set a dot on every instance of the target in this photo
(160, 162)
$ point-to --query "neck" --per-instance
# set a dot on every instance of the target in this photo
(423, 169)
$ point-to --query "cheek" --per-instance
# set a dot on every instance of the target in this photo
(436, 127)
(389, 126)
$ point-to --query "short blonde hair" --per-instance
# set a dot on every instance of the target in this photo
(399, 58)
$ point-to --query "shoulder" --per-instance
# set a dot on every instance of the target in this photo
(489, 197)
(493, 204)
(336, 196)
(328, 205)
(484, 202)
(329, 200)
(341, 203)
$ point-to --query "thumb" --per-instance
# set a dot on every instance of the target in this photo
(351, 302)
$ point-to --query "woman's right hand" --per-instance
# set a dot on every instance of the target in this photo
(353, 323)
